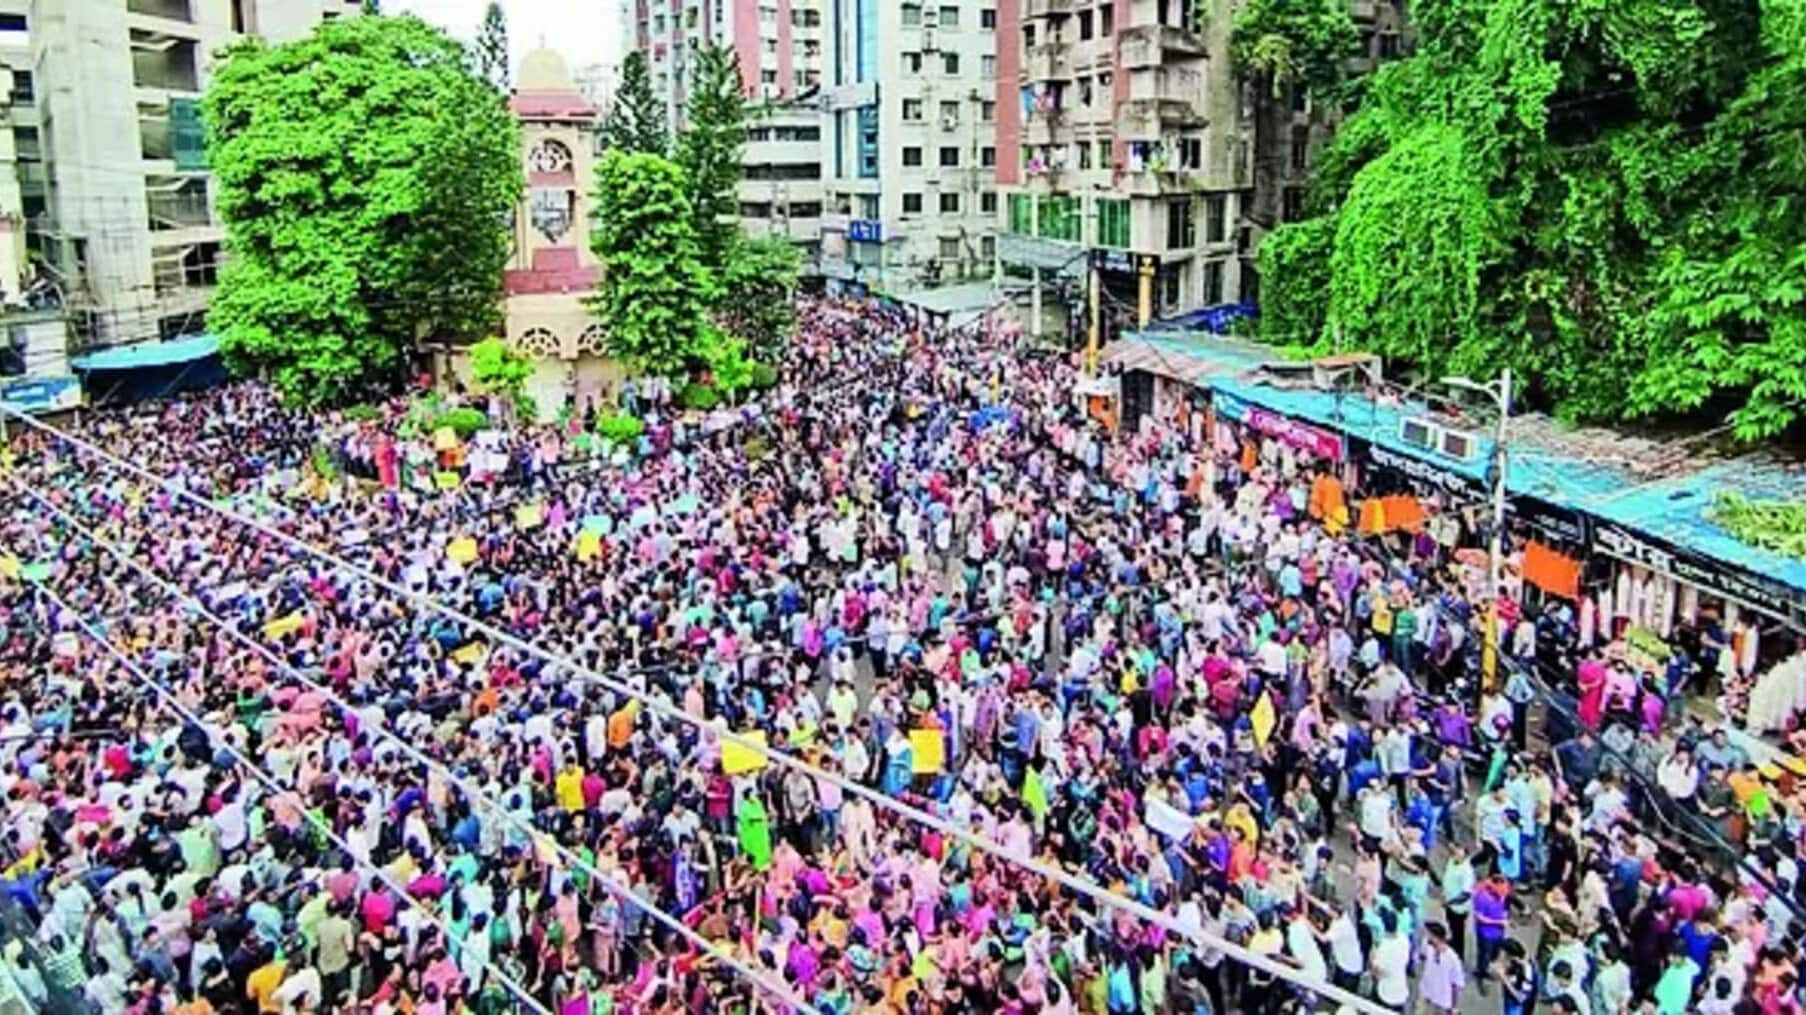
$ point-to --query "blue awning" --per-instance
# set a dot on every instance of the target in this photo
(185, 349)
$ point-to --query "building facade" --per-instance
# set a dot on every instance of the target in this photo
(781, 189)
(910, 135)
(128, 226)
(778, 43)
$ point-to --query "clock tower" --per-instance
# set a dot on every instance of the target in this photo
(552, 272)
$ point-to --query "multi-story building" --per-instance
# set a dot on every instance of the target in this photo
(781, 191)
(910, 124)
(1128, 153)
(130, 228)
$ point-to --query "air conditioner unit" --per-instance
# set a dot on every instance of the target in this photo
(1419, 433)
(949, 123)
(1459, 444)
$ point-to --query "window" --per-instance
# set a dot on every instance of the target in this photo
(1085, 92)
(950, 112)
(1213, 283)
(805, 210)
(1084, 25)
(1181, 231)
(987, 247)
(1112, 222)
(1294, 204)
(912, 110)
(1301, 148)
(950, 202)
(23, 89)
(949, 16)
(987, 18)
(1022, 214)
(987, 111)
(1191, 153)
(1388, 45)
(987, 67)
(1028, 36)
(1060, 217)
(949, 158)
(912, 15)
(868, 206)
(950, 63)
(1216, 214)
(949, 248)
(912, 156)
(1169, 286)
(987, 202)
(987, 156)
(1084, 156)
(1103, 155)
(912, 204)
(1106, 23)
(912, 62)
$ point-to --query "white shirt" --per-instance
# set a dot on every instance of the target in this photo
(1345, 943)
(1390, 958)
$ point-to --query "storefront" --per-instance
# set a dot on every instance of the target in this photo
(1280, 439)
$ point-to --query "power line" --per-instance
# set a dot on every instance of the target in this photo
(763, 980)
(1097, 893)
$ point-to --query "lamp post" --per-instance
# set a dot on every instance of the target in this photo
(1500, 392)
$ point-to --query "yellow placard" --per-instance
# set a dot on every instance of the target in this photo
(446, 480)
(589, 544)
(282, 627)
(1263, 719)
(462, 550)
(471, 653)
(529, 516)
(737, 759)
(9, 566)
(444, 439)
(928, 751)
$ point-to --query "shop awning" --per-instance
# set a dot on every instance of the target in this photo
(186, 349)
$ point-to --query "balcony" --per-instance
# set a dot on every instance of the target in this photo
(1039, 178)
(1152, 182)
(1154, 45)
(1047, 62)
(1032, 9)
(1046, 128)
(165, 62)
(1149, 119)
(177, 202)
(169, 10)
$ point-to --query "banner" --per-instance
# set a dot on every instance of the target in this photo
(462, 550)
(928, 751)
(1307, 438)
(1263, 719)
(1166, 819)
(1755, 591)
(738, 760)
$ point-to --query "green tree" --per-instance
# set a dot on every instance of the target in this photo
(492, 46)
(1280, 45)
(636, 121)
(758, 283)
(1604, 197)
(709, 149)
(655, 294)
(498, 369)
(364, 175)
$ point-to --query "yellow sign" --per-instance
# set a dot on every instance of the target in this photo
(529, 516)
(737, 759)
(589, 544)
(471, 653)
(1263, 719)
(282, 627)
(462, 550)
(444, 439)
(9, 566)
(446, 480)
(928, 751)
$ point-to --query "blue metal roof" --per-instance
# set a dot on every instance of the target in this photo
(1672, 509)
(185, 349)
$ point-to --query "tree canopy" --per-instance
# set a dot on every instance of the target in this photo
(492, 46)
(365, 175)
(636, 120)
(1605, 195)
(709, 148)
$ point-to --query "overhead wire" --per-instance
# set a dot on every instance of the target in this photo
(567, 666)
(763, 980)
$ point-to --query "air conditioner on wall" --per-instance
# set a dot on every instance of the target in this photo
(1459, 444)
(1418, 432)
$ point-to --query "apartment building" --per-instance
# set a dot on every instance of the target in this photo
(781, 189)
(129, 230)
(1127, 153)
(910, 125)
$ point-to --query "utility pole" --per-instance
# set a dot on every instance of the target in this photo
(1500, 393)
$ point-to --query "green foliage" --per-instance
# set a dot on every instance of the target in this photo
(621, 428)
(764, 377)
(363, 412)
(1773, 525)
(463, 421)
(636, 122)
(1303, 42)
(364, 175)
(655, 292)
(498, 369)
(709, 150)
(758, 284)
(1603, 196)
(491, 49)
(699, 396)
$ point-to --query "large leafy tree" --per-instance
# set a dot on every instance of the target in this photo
(492, 46)
(1280, 46)
(636, 121)
(655, 294)
(757, 285)
(1604, 196)
(364, 175)
(709, 149)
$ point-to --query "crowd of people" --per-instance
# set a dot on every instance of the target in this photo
(920, 567)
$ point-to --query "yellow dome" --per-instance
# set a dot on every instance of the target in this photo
(545, 71)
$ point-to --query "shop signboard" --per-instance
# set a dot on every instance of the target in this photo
(1550, 522)
(1425, 474)
(1735, 584)
(1303, 436)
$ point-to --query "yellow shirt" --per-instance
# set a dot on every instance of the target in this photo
(570, 789)
(261, 986)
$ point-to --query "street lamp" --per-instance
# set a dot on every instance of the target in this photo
(1500, 392)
